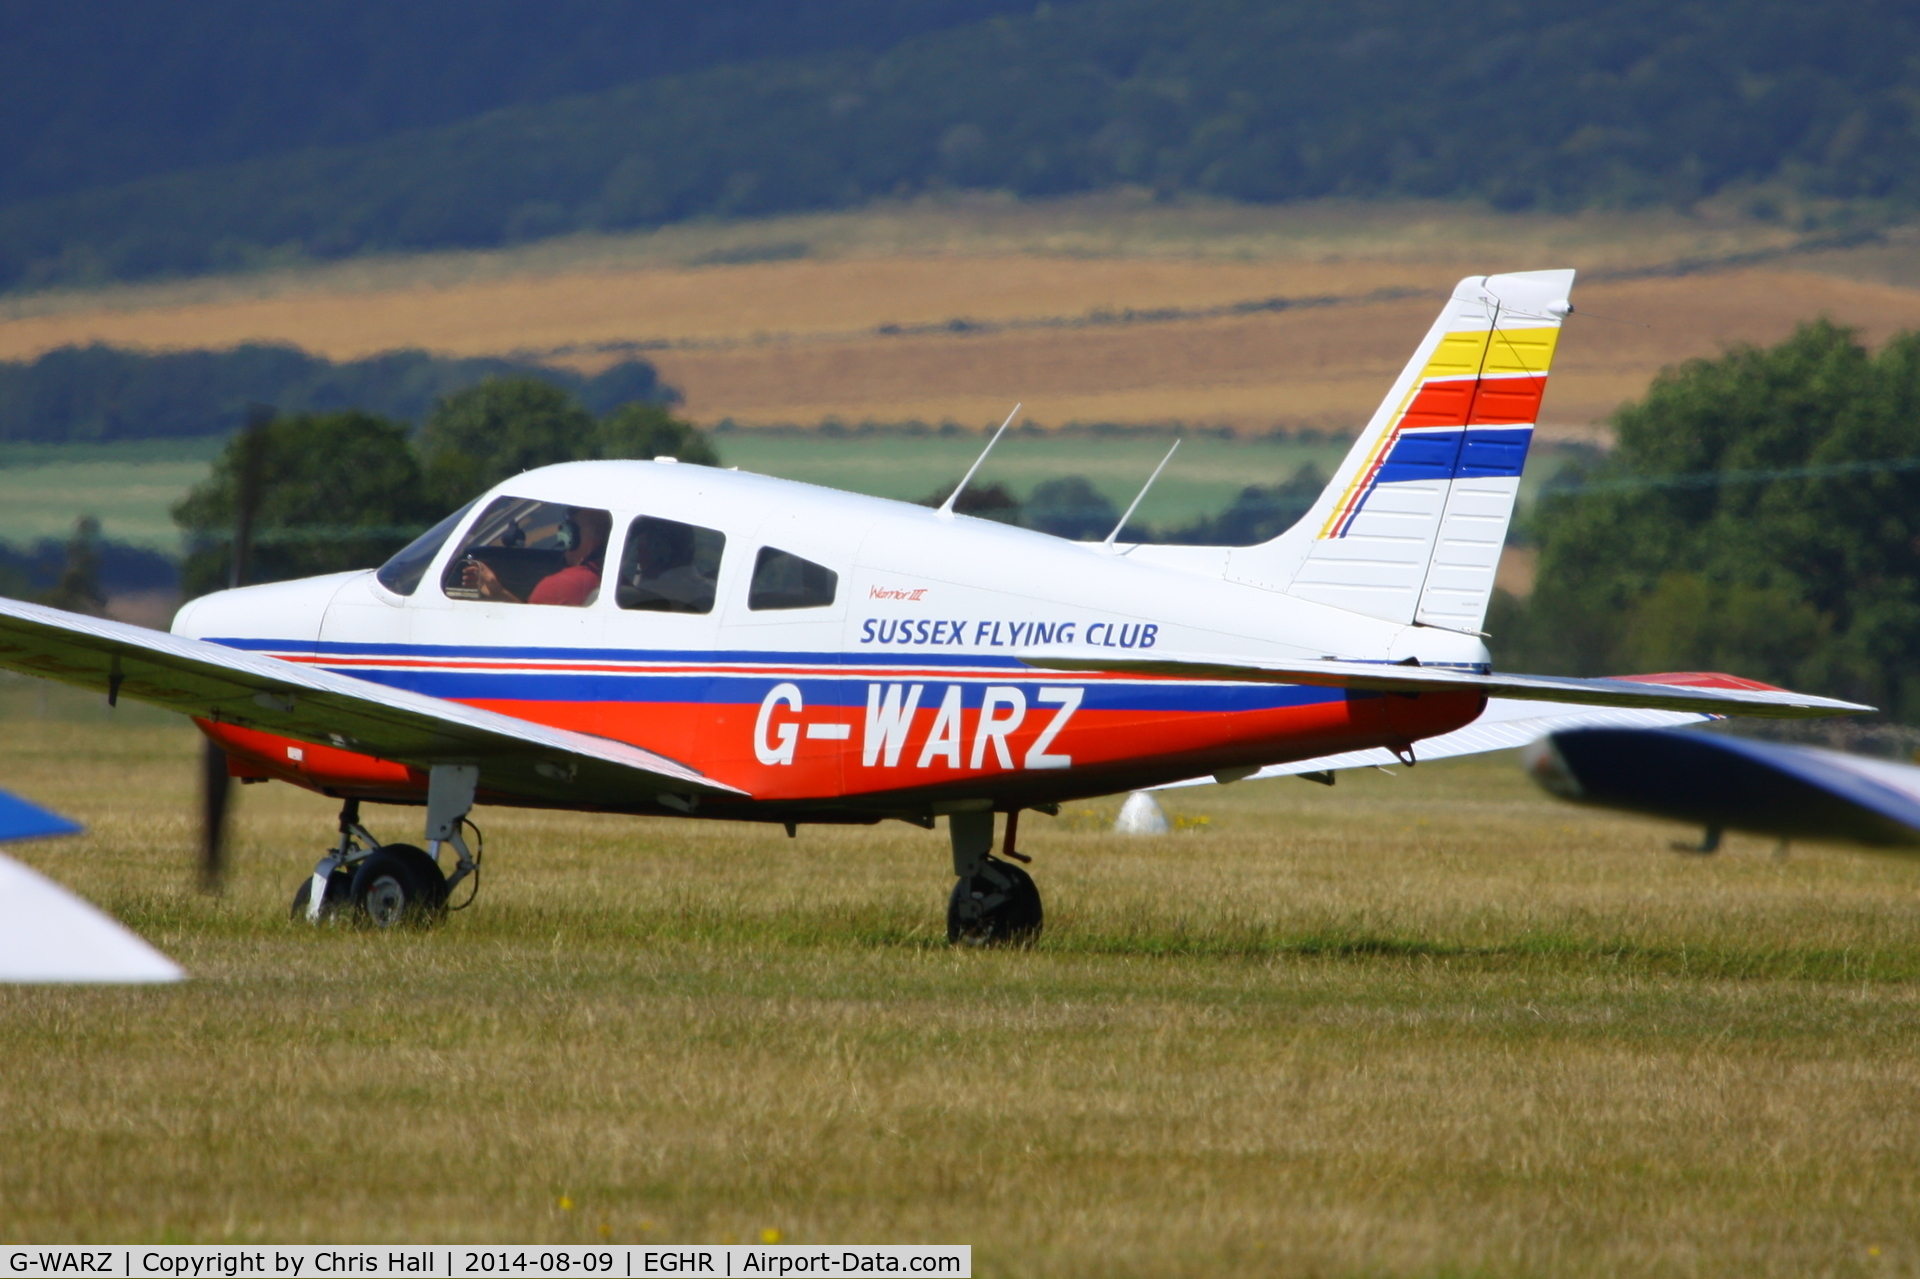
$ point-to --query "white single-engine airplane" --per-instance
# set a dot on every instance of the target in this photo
(646, 637)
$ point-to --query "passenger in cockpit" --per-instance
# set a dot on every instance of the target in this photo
(575, 585)
(663, 570)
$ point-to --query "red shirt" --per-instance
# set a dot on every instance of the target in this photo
(571, 586)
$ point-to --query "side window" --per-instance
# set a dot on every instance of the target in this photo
(782, 579)
(525, 551)
(669, 567)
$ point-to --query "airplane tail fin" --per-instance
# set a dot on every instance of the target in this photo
(1411, 528)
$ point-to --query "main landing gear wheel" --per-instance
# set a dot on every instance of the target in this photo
(388, 885)
(998, 905)
(399, 884)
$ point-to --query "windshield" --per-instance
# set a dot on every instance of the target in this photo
(402, 573)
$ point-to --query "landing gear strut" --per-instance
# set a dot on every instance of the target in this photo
(390, 884)
(994, 902)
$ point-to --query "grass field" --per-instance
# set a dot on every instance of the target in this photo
(1430, 1024)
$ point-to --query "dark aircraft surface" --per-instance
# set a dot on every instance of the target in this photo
(1730, 783)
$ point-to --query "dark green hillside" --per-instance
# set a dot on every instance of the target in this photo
(103, 394)
(1543, 102)
(103, 91)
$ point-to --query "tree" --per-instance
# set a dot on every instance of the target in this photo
(647, 430)
(15, 583)
(1072, 508)
(1259, 513)
(986, 501)
(337, 491)
(1760, 514)
(475, 438)
(79, 589)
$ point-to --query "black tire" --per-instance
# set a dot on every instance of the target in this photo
(339, 889)
(1000, 906)
(398, 885)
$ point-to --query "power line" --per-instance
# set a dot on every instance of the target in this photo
(1716, 479)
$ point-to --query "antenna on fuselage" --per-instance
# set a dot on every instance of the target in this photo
(1142, 493)
(946, 507)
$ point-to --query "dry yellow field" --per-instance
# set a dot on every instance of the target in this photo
(1086, 311)
(1431, 1024)
(1323, 367)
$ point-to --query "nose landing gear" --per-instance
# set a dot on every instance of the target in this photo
(994, 903)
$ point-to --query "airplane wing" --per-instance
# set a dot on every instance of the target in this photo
(1506, 724)
(21, 820)
(210, 681)
(1676, 691)
(1719, 781)
(49, 935)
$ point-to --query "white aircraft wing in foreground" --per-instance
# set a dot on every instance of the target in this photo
(211, 682)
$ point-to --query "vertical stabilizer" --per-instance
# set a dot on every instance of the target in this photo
(1410, 529)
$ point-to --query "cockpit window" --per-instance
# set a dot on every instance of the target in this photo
(403, 572)
(669, 567)
(525, 551)
(782, 579)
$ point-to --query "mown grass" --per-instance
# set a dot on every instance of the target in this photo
(1423, 1025)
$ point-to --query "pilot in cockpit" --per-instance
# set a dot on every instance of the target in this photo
(573, 585)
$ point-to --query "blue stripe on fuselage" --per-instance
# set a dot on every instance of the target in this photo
(687, 656)
(601, 686)
(827, 679)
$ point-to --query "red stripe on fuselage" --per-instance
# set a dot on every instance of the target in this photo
(719, 740)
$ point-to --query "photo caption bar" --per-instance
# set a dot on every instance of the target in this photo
(302, 1261)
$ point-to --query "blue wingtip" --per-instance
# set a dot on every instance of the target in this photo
(21, 820)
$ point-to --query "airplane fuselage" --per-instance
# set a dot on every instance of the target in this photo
(903, 694)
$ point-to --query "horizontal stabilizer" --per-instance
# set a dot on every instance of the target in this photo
(213, 682)
(1688, 691)
(1506, 724)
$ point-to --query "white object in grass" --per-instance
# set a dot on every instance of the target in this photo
(1141, 815)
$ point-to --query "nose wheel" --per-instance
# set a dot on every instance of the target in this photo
(994, 902)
